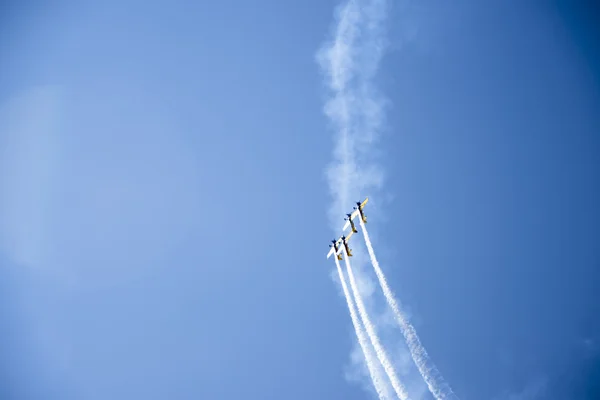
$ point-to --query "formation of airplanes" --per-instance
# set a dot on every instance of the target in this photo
(336, 245)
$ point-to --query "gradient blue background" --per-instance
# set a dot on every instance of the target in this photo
(176, 246)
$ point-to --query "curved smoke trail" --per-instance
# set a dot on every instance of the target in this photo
(349, 61)
(381, 354)
(434, 380)
(360, 334)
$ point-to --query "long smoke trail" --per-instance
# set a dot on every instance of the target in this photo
(360, 334)
(349, 61)
(434, 380)
(381, 354)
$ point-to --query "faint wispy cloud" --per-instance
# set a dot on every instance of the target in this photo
(29, 164)
(80, 205)
(534, 390)
(355, 108)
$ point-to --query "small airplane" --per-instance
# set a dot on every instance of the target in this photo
(336, 249)
(358, 210)
(345, 240)
(349, 218)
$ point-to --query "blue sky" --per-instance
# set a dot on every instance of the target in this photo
(164, 202)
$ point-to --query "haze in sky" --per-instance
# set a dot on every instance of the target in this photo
(166, 199)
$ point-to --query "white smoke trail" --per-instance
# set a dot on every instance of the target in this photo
(360, 334)
(349, 60)
(434, 380)
(381, 354)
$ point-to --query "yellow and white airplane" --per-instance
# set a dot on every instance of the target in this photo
(335, 247)
(358, 210)
(349, 219)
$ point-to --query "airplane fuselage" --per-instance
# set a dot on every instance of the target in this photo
(352, 223)
(348, 250)
(359, 207)
(362, 216)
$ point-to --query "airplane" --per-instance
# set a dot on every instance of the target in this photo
(349, 218)
(345, 240)
(358, 210)
(336, 248)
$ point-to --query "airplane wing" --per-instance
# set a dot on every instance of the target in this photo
(352, 216)
(349, 236)
(364, 203)
(330, 252)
